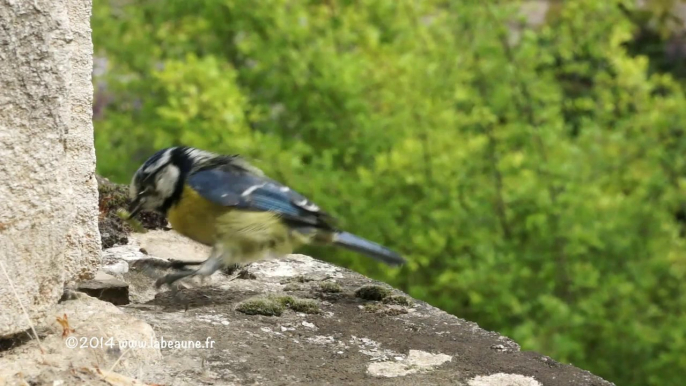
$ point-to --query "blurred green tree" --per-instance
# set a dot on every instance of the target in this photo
(531, 178)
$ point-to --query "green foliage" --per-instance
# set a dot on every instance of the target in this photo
(531, 179)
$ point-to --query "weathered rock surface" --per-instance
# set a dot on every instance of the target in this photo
(347, 341)
(107, 288)
(83, 246)
(323, 330)
(87, 354)
(48, 210)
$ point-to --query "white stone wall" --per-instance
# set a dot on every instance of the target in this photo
(48, 193)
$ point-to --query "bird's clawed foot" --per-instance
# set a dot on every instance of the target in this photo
(170, 278)
(207, 268)
(232, 268)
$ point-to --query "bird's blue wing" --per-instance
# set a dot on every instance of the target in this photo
(250, 192)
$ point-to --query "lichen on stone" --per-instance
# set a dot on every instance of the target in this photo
(373, 307)
(290, 287)
(386, 309)
(398, 300)
(330, 287)
(303, 279)
(394, 310)
(372, 292)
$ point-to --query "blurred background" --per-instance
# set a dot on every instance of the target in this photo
(527, 157)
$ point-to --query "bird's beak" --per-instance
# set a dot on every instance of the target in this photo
(135, 206)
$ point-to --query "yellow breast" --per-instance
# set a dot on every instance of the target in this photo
(195, 217)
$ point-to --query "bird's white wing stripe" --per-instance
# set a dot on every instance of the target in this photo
(311, 207)
(305, 204)
(251, 189)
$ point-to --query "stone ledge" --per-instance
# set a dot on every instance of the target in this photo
(347, 340)
(54, 362)
(106, 288)
(291, 321)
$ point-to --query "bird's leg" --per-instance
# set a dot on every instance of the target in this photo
(207, 268)
(149, 265)
(179, 265)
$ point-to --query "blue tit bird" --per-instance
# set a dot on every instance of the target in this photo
(225, 202)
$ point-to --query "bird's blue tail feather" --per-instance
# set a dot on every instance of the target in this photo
(371, 249)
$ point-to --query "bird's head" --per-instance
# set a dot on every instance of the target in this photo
(158, 183)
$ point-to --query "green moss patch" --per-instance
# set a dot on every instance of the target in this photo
(261, 306)
(307, 306)
(276, 305)
(372, 292)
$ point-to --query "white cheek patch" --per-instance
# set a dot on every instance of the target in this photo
(166, 179)
(153, 202)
